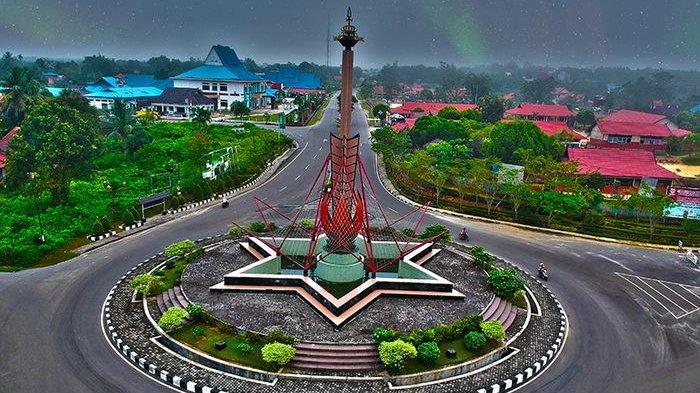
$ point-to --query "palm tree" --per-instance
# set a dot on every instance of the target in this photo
(22, 86)
(119, 120)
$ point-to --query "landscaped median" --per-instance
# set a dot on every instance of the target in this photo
(162, 339)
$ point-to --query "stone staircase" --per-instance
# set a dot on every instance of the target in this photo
(173, 297)
(501, 310)
(336, 357)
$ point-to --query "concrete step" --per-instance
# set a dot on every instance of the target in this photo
(334, 367)
(504, 313)
(368, 361)
(180, 296)
(168, 301)
(161, 304)
(493, 308)
(337, 354)
(337, 347)
(511, 318)
(175, 299)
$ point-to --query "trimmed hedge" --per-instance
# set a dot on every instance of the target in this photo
(394, 354)
(429, 353)
(277, 353)
(475, 341)
(494, 331)
(505, 282)
(146, 284)
(172, 319)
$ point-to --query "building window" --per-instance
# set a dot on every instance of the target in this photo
(205, 86)
(223, 87)
(619, 139)
(651, 141)
(214, 87)
(224, 104)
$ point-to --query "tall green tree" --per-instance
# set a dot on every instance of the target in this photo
(507, 138)
(22, 88)
(239, 108)
(585, 118)
(55, 144)
(538, 90)
(492, 107)
(381, 111)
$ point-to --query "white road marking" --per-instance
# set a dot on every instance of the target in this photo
(392, 210)
(283, 188)
(307, 166)
(315, 155)
(644, 281)
(320, 148)
(297, 178)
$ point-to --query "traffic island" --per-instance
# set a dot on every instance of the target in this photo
(532, 341)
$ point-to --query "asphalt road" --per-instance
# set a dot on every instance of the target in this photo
(620, 339)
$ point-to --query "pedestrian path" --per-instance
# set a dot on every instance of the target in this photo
(677, 299)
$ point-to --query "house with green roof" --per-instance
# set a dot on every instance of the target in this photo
(224, 78)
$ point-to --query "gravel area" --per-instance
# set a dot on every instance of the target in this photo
(263, 312)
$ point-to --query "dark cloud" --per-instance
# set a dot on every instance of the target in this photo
(635, 33)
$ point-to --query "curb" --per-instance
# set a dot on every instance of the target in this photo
(94, 238)
(392, 190)
(533, 371)
(141, 362)
(130, 227)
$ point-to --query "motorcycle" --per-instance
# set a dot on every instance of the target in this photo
(543, 274)
(464, 236)
(224, 203)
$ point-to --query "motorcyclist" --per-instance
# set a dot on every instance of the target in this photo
(541, 268)
(463, 233)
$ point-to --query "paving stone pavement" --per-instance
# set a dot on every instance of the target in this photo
(130, 323)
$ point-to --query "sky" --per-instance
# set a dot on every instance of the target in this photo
(591, 33)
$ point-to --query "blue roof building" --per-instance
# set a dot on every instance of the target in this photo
(695, 109)
(291, 77)
(103, 99)
(224, 78)
(128, 80)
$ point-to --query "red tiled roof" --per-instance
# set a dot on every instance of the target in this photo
(2, 160)
(400, 126)
(630, 116)
(528, 109)
(680, 132)
(619, 163)
(429, 107)
(555, 127)
(6, 139)
(631, 128)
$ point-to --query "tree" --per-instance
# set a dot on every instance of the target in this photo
(56, 143)
(389, 143)
(73, 99)
(429, 128)
(381, 111)
(552, 173)
(388, 77)
(201, 116)
(448, 154)
(585, 117)
(426, 95)
(450, 113)
(22, 87)
(239, 108)
(538, 90)
(688, 120)
(492, 108)
(485, 183)
(553, 202)
(518, 194)
(506, 138)
(120, 119)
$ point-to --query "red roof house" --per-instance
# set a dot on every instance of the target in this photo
(630, 116)
(626, 168)
(414, 110)
(545, 112)
(2, 165)
(5, 141)
(403, 125)
(631, 135)
(552, 128)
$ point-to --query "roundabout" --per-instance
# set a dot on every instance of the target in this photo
(534, 336)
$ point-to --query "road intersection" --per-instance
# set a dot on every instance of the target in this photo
(52, 341)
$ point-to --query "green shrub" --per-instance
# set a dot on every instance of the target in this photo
(394, 354)
(106, 223)
(504, 282)
(277, 353)
(98, 228)
(481, 258)
(379, 335)
(196, 310)
(180, 248)
(439, 230)
(447, 332)
(260, 227)
(146, 284)
(470, 323)
(493, 330)
(172, 319)
(474, 341)
(198, 331)
(244, 348)
(136, 213)
(519, 299)
(419, 336)
(306, 223)
(159, 273)
(252, 337)
(127, 218)
(429, 353)
(278, 336)
(236, 231)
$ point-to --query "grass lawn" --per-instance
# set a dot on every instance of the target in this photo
(319, 113)
(463, 355)
(212, 335)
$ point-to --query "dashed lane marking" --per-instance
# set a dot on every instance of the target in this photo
(297, 178)
(679, 300)
(315, 155)
(307, 166)
(283, 188)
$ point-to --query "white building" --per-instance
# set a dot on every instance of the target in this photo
(224, 78)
